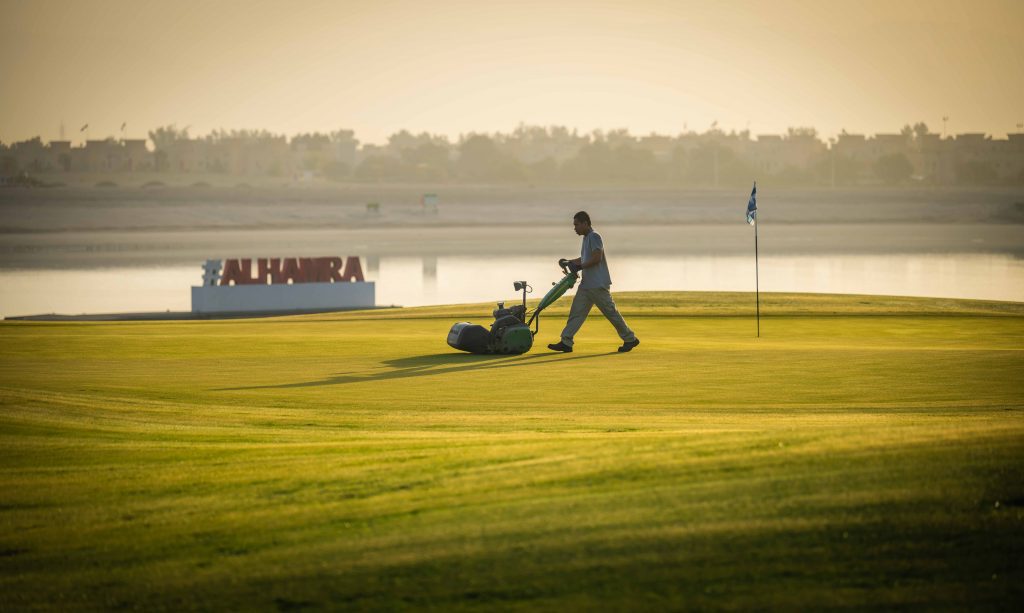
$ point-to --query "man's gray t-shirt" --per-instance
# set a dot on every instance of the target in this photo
(595, 276)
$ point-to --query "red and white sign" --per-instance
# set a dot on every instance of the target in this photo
(282, 284)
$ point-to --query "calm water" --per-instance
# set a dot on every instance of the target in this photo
(414, 281)
(80, 250)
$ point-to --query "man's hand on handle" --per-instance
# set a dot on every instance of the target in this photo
(571, 265)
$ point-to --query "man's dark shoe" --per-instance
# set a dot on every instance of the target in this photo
(628, 346)
(560, 346)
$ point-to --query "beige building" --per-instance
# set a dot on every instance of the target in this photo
(61, 155)
(771, 153)
(661, 146)
(932, 160)
(96, 155)
(978, 158)
(853, 147)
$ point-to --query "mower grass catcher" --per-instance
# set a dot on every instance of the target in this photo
(510, 333)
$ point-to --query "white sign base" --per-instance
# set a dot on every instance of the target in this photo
(280, 297)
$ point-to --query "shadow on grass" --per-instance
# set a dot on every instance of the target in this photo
(427, 365)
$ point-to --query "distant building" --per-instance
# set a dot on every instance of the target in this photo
(31, 156)
(96, 155)
(771, 153)
(661, 146)
(136, 156)
(185, 156)
(978, 158)
(61, 155)
(852, 146)
(932, 160)
(104, 155)
(882, 145)
(1012, 157)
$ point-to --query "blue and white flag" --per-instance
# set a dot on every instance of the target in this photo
(752, 206)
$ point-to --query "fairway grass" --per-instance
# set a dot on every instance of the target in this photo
(864, 452)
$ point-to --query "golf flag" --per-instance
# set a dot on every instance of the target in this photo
(752, 220)
(82, 129)
(752, 206)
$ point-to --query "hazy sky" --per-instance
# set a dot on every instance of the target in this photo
(452, 66)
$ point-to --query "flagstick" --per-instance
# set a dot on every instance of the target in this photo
(757, 282)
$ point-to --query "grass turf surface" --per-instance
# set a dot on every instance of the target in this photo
(865, 451)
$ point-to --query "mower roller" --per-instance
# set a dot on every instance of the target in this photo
(510, 333)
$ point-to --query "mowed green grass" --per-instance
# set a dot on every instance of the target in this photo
(863, 452)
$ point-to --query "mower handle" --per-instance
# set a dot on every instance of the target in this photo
(558, 288)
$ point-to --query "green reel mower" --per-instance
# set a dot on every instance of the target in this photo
(510, 333)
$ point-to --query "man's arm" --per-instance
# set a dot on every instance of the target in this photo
(595, 259)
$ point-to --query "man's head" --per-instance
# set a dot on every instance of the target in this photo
(581, 223)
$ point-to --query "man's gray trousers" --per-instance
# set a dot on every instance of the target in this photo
(585, 300)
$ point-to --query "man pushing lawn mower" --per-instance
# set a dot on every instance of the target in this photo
(593, 290)
(511, 334)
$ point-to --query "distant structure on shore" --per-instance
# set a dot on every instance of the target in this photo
(547, 155)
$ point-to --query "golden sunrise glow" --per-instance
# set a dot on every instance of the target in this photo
(455, 66)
